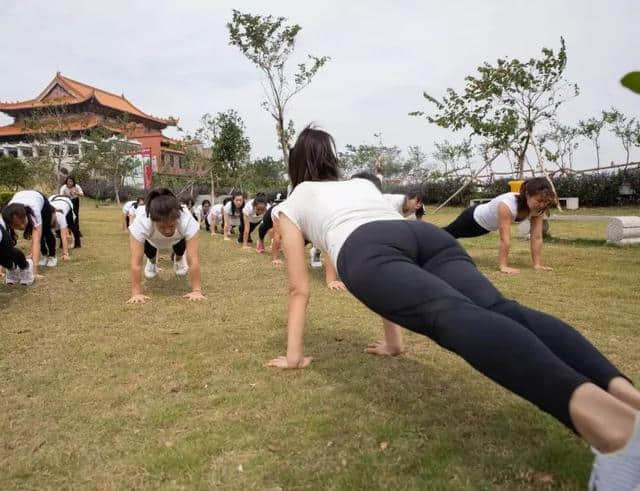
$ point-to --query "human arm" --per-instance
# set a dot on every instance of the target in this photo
(392, 344)
(293, 243)
(245, 230)
(137, 253)
(36, 235)
(193, 260)
(331, 275)
(504, 228)
(537, 226)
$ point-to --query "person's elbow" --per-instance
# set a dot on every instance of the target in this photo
(299, 292)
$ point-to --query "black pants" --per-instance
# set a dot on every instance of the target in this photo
(76, 210)
(10, 255)
(252, 226)
(151, 252)
(465, 225)
(265, 225)
(416, 275)
(48, 239)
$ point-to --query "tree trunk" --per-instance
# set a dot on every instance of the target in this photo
(598, 153)
(284, 144)
(543, 170)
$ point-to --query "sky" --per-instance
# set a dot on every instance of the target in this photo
(173, 58)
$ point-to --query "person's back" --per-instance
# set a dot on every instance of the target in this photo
(327, 212)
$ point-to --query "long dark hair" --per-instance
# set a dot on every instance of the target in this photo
(161, 204)
(66, 181)
(313, 158)
(20, 211)
(534, 187)
(235, 210)
(259, 198)
(417, 192)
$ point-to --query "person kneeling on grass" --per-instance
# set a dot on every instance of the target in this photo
(164, 224)
(417, 276)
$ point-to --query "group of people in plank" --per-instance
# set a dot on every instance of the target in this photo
(411, 273)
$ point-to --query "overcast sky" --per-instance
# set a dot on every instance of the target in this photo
(173, 58)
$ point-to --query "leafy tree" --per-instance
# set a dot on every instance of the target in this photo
(377, 158)
(506, 102)
(264, 173)
(454, 156)
(109, 157)
(563, 138)
(268, 43)
(14, 174)
(591, 129)
(231, 147)
(626, 129)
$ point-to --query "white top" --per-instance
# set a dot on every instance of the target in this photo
(72, 192)
(215, 211)
(128, 206)
(328, 212)
(235, 218)
(33, 199)
(3, 226)
(486, 214)
(62, 206)
(250, 212)
(143, 229)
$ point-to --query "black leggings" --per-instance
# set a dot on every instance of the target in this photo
(465, 225)
(252, 226)
(10, 255)
(151, 251)
(48, 239)
(76, 210)
(416, 275)
(265, 225)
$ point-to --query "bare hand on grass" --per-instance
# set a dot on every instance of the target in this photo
(336, 285)
(139, 298)
(194, 296)
(282, 362)
(383, 349)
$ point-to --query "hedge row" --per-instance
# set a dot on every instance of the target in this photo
(601, 189)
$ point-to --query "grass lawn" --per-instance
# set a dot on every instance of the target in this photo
(98, 394)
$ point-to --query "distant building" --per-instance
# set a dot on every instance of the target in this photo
(66, 110)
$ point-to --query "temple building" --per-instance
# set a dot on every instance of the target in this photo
(60, 117)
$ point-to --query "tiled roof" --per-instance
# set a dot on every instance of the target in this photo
(80, 92)
(79, 124)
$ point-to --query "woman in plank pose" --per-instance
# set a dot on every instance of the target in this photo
(533, 200)
(416, 275)
(164, 224)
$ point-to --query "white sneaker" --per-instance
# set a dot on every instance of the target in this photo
(180, 266)
(314, 256)
(43, 261)
(52, 262)
(12, 276)
(618, 471)
(150, 270)
(26, 275)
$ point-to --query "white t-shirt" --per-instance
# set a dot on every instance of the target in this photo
(72, 192)
(128, 206)
(328, 212)
(250, 212)
(235, 218)
(215, 211)
(486, 214)
(33, 199)
(143, 229)
(62, 206)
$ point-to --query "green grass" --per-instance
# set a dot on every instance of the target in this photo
(169, 395)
